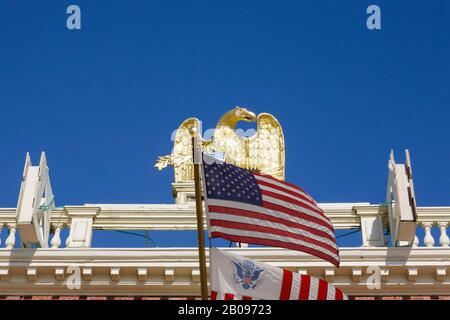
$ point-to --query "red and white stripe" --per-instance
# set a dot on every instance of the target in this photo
(229, 296)
(288, 218)
(294, 287)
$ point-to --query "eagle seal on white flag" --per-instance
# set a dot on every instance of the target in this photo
(235, 277)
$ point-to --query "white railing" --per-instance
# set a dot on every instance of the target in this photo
(82, 220)
(370, 269)
(434, 221)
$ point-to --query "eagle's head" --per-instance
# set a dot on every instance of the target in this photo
(232, 117)
(242, 114)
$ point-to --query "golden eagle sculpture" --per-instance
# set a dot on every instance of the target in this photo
(262, 152)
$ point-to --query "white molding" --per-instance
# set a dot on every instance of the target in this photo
(4, 273)
(115, 273)
(174, 271)
(32, 274)
(384, 273)
(195, 275)
(81, 222)
(169, 275)
(59, 273)
(440, 273)
(142, 274)
(371, 225)
(356, 274)
(86, 272)
(329, 274)
(302, 271)
(412, 274)
(183, 217)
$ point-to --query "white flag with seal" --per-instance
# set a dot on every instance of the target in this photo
(235, 277)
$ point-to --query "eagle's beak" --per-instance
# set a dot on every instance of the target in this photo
(250, 117)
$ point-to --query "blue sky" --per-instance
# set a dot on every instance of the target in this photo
(103, 101)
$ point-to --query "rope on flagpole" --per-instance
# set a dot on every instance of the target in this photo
(137, 235)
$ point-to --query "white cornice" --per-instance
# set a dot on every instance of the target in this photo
(174, 271)
(182, 217)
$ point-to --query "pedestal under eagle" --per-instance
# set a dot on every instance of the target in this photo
(263, 152)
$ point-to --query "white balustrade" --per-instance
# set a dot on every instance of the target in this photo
(11, 240)
(83, 220)
(444, 241)
(428, 239)
(56, 240)
(415, 242)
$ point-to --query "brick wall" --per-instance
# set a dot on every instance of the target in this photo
(93, 298)
(198, 298)
(400, 298)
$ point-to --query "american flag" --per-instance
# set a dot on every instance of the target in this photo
(249, 207)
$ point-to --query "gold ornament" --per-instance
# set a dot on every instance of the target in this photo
(262, 152)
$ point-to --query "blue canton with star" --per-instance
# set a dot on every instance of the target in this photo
(228, 182)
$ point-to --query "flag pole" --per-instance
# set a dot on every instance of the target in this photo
(199, 209)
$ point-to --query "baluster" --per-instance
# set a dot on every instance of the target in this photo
(415, 242)
(56, 240)
(443, 239)
(428, 239)
(11, 240)
(67, 239)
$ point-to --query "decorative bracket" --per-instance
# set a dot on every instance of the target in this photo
(401, 200)
(35, 204)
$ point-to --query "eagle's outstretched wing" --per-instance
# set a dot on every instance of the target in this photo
(239, 270)
(256, 274)
(266, 152)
